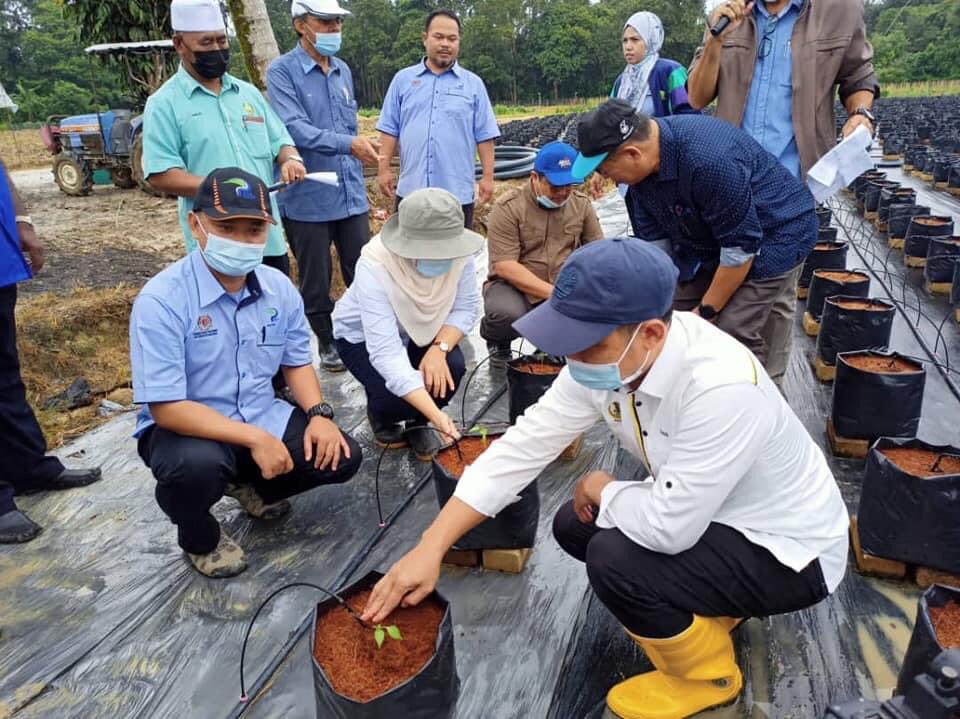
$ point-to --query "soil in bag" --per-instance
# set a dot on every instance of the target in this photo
(827, 283)
(851, 323)
(877, 395)
(411, 673)
(515, 527)
(936, 629)
(528, 378)
(910, 503)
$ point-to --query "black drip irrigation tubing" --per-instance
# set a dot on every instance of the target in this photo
(261, 680)
(944, 371)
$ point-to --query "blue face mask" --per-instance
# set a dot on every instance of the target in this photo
(548, 204)
(327, 43)
(606, 377)
(231, 258)
(434, 268)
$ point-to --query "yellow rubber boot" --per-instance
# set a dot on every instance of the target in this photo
(696, 670)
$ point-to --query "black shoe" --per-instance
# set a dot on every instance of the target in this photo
(423, 441)
(500, 353)
(330, 360)
(387, 435)
(69, 479)
(17, 528)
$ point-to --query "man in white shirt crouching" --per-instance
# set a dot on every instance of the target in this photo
(739, 516)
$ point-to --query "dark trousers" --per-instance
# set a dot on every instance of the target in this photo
(656, 595)
(759, 314)
(382, 404)
(278, 262)
(311, 246)
(467, 212)
(193, 473)
(503, 304)
(22, 446)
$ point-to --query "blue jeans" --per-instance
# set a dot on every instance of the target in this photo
(384, 406)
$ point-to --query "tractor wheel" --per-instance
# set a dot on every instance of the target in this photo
(72, 176)
(123, 178)
(136, 167)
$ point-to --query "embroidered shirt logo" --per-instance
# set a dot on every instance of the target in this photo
(204, 327)
(273, 314)
(614, 411)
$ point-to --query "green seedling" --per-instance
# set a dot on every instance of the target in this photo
(483, 433)
(380, 634)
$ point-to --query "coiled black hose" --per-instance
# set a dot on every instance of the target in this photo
(510, 161)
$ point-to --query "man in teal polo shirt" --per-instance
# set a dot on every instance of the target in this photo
(202, 118)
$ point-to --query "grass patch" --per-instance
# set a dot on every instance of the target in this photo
(63, 337)
(929, 88)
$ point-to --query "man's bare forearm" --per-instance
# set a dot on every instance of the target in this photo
(193, 419)
(304, 385)
(523, 279)
(487, 153)
(388, 148)
(703, 79)
(176, 181)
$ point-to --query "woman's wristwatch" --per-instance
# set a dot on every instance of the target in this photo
(444, 347)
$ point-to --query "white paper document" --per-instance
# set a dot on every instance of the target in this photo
(841, 166)
(325, 178)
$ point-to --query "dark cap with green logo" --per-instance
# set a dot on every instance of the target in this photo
(230, 193)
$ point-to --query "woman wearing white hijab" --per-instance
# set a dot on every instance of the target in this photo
(654, 85)
(413, 298)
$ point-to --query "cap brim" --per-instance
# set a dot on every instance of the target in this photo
(584, 166)
(466, 244)
(557, 334)
(243, 215)
(562, 179)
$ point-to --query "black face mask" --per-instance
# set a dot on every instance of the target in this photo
(211, 64)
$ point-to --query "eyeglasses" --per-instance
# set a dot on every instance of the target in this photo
(766, 42)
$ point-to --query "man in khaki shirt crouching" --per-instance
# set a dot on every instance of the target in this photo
(531, 231)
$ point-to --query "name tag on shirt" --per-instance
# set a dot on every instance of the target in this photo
(253, 118)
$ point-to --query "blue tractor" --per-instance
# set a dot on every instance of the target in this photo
(110, 140)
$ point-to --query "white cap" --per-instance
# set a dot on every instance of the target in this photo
(196, 16)
(322, 8)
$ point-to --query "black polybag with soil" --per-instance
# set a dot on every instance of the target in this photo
(515, 527)
(430, 694)
(910, 519)
(868, 405)
(526, 388)
(844, 329)
(924, 646)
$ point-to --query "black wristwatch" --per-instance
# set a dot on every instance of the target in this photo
(708, 312)
(866, 113)
(320, 410)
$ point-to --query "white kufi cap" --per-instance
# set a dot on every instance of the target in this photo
(196, 16)
(320, 8)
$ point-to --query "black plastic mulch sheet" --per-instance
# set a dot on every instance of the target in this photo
(102, 616)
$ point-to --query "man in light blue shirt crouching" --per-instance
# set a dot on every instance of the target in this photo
(207, 335)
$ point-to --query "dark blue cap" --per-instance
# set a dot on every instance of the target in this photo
(603, 285)
(555, 162)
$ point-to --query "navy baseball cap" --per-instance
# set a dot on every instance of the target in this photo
(230, 193)
(603, 285)
(601, 132)
(555, 162)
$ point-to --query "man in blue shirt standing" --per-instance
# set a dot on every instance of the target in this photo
(26, 468)
(312, 92)
(737, 223)
(207, 334)
(441, 115)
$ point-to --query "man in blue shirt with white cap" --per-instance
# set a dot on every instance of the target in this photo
(531, 230)
(207, 335)
(312, 91)
(737, 514)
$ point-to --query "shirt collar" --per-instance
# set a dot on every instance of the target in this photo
(189, 84)
(669, 154)
(209, 289)
(308, 63)
(761, 8)
(663, 375)
(455, 68)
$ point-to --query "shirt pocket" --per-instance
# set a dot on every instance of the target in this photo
(270, 345)
(347, 113)
(458, 104)
(829, 58)
(258, 139)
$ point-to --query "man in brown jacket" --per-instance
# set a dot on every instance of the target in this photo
(530, 232)
(775, 71)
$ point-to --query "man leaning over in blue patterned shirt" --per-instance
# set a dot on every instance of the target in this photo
(738, 224)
